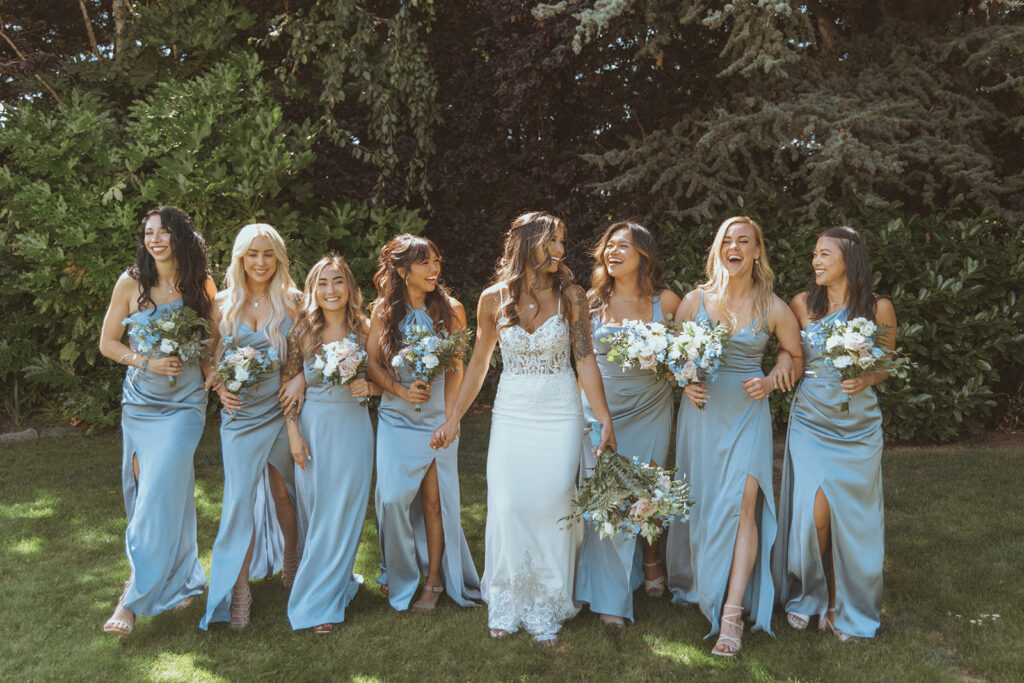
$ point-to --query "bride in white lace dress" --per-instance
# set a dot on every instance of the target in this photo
(537, 314)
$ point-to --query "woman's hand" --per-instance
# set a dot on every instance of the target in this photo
(300, 450)
(230, 401)
(697, 393)
(445, 435)
(607, 438)
(168, 365)
(292, 394)
(783, 375)
(417, 392)
(852, 387)
(359, 387)
(757, 387)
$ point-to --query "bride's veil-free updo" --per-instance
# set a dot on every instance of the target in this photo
(529, 231)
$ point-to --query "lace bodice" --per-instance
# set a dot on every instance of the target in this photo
(544, 352)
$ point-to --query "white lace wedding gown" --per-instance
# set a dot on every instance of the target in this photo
(532, 462)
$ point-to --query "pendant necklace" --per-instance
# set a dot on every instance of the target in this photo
(256, 301)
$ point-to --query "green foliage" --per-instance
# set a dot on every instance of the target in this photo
(956, 284)
(78, 179)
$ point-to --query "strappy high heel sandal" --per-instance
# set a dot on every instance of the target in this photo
(828, 623)
(733, 618)
(323, 629)
(241, 602)
(655, 587)
(421, 606)
(797, 620)
(612, 620)
(119, 627)
(289, 567)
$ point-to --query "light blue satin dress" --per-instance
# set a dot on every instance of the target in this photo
(252, 438)
(610, 569)
(717, 448)
(161, 426)
(332, 493)
(403, 457)
(841, 454)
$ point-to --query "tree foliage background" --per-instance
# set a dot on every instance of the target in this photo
(344, 123)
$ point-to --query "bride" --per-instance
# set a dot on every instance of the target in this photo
(535, 311)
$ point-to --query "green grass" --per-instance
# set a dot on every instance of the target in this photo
(954, 553)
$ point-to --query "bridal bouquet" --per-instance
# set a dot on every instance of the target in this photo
(628, 497)
(427, 353)
(179, 332)
(849, 347)
(243, 366)
(640, 344)
(340, 362)
(695, 352)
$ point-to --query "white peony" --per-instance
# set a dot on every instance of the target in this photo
(319, 363)
(833, 342)
(842, 362)
(167, 346)
(430, 361)
(234, 386)
(241, 374)
(165, 324)
(854, 340)
(689, 371)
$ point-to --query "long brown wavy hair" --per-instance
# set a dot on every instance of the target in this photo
(860, 300)
(718, 276)
(401, 252)
(311, 318)
(648, 275)
(529, 231)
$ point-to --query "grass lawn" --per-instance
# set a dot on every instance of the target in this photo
(954, 560)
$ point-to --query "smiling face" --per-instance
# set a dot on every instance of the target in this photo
(739, 249)
(829, 265)
(553, 249)
(260, 261)
(423, 274)
(157, 239)
(331, 289)
(621, 256)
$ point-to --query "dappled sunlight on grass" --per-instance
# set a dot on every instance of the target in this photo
(37, 509)
(24, 546)
(174, 667)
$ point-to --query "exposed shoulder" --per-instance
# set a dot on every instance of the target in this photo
(491, 297)
(221, 296)
(294, 301)
(687, 308)
(576, 295)
(669, 302)
(884, 304)
(377, 310)
(799, 301)
(211, 287)
(125, 284)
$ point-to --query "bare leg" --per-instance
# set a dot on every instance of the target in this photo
(744, 555)
(823, 525)
(430, 496)
(285, 512)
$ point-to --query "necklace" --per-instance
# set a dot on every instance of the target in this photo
(627, 301)
(256, 300)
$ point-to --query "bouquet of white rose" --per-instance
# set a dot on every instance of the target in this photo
(695, 351)
(243, 366)
(179, 332)
(849, 347)
(340, 362)
(628, 497)
(428, 353)
(640, 344)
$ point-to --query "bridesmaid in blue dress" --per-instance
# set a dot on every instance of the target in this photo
(828, 556)
(255, 309)
(625, 285)
(720, 559)
(417, 497)
(335, 457)
(160, 424)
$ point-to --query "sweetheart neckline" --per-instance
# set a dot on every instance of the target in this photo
(539, 327)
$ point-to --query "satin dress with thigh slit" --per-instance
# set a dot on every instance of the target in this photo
(161, 426)
(403, 457)
(717, 449)
(610, 569)
(840, 454)
(252, 438)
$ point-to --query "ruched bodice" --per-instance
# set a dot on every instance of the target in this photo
(744, 350)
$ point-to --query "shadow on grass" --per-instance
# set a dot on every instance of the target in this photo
(953, 563)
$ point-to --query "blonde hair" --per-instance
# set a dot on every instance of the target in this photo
(281, 291)
(527, 232)
(718, 276)
(311, 319)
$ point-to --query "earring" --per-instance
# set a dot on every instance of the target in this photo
(757, 260)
